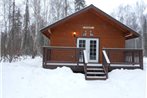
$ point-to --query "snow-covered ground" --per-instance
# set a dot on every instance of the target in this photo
(27, 79)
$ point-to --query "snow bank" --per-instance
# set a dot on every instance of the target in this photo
(145, 63)
(26, 79)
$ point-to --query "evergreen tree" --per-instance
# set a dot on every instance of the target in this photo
(14, 33)
(79, 4)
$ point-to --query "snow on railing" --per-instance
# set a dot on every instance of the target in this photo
(85, 56)
(106, 57)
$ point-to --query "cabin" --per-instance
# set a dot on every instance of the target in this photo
(92, 42)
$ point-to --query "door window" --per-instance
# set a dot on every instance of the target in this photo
(93, 52)
(91, 47)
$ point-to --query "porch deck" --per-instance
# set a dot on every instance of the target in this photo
(91, 64)
(111, 67)
(76, 59)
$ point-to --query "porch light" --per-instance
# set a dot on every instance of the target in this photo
(74, 34)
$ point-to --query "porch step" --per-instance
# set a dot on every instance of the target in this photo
(96, 77)
(95, 73)
(99, 73)
(95, 69)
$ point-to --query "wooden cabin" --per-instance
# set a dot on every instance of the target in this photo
(87, 39)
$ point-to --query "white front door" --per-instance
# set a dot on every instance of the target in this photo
(91, 45)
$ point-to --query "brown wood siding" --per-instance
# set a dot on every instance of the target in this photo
(63, 55)
(109, 36)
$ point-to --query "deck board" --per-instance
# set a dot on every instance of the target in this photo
(72, 64)
(125, 65)
(91, 64)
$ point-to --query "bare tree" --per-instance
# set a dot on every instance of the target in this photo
(5, 26)
(13, 47)
(26, 42)
(45, 11)
(133, 17)
(11, 43)
(36, 6)
(60, 9)
(26, 39)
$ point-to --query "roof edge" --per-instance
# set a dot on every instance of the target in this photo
(98, 10)
(67, 17)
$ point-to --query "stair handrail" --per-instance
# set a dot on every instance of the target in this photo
(106, 56)
(85, 56)
(106, 62)
(85, 61)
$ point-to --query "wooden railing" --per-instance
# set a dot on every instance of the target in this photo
(105, 63)
(57, 54)
(132, 57)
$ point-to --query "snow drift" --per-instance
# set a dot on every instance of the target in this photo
(27, 79)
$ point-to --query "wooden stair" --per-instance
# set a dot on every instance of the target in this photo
(95, 73)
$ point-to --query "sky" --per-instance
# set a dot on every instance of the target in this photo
(106, 5)
(109, 5)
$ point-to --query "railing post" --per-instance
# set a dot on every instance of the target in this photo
(44, 57)
(49, 51)
(105, 62)
(141, 59)
(133, 58)
(85, 61)
(108, 53)
(78, 56)
(75, 57)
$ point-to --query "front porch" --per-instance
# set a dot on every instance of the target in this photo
(77, 60)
